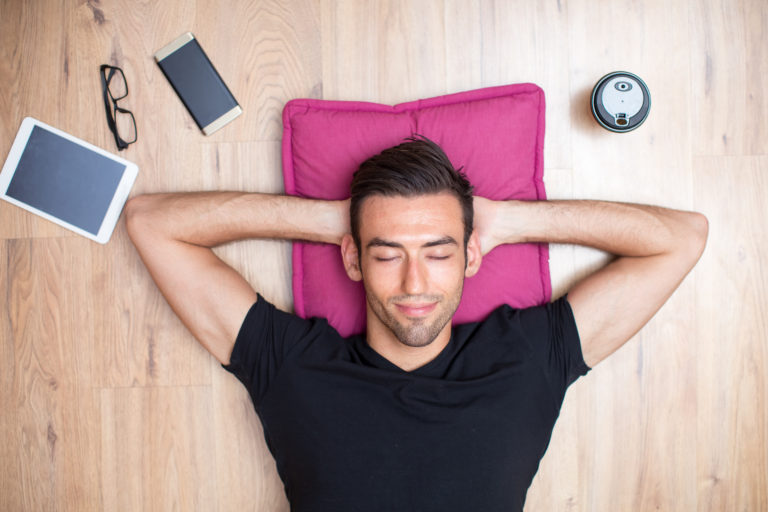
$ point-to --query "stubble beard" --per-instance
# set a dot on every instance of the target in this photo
(417, 333)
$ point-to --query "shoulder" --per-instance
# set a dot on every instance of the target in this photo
(536, 329)
(280, 332)
(271, 340)
(529, 319)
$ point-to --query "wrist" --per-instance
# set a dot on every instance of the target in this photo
(335, 222)
(511, 221)
(498, 222)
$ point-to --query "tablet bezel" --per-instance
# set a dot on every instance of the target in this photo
(119, 196)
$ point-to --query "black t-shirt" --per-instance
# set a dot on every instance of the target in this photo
(351, 431)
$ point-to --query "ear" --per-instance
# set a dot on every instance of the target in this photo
(351, 258)
(474, 255)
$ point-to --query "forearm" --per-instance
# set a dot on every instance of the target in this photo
(209, 219)
(174, 235)
(618, 228)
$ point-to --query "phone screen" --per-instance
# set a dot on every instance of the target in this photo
(197, 83)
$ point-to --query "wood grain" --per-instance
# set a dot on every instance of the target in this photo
(401, 63)
(108, 403)
(487, 44)
(157, 449)
(49, 397)
(719, 77)
(732, 413)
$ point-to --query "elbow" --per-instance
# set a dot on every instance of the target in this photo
(697, 232)
(700, 227)
(137, 212)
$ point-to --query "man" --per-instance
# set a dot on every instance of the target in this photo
(415, 414)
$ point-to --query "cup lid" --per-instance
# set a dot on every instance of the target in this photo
(620, 101)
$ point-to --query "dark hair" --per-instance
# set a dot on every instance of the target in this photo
(415, 167)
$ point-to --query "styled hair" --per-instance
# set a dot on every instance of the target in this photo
(416, 167)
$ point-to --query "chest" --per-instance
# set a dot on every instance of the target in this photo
(333, 427)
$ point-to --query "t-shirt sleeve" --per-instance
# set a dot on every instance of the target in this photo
(266, 338)
(556, 342)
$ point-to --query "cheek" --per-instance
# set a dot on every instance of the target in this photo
(380, 279)
(448, 278)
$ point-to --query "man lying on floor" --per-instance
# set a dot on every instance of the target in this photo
(416, 414)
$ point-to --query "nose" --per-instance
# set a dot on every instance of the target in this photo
(414, 280)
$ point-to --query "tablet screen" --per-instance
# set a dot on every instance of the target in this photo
(65, 180)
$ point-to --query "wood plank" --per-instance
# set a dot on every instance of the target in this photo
(54, 456)
(731, 305)
(157, 449)
(49, 403)
(49, 306)
(11, 497)
(348, 37)
(756, 63)
(383, 51)
(719, 78)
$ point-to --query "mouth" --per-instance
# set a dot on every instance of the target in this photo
(416, 310)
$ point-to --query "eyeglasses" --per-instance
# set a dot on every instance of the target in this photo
(121, 122)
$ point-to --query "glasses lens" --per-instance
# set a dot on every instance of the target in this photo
(126, 125)
(118, 87)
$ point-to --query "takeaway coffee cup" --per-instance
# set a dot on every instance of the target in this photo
(620, 101)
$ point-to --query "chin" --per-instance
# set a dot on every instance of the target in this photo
(414, 332)
(419, 332)
(418, 336)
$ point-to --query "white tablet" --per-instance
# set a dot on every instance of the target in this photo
(66, 180)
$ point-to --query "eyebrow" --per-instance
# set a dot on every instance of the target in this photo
(380, 242)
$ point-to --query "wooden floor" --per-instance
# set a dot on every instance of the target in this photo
(107, 403)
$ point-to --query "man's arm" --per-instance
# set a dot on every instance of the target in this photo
(655, 248)
(174, 235)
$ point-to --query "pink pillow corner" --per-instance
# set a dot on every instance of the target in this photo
(496, 134)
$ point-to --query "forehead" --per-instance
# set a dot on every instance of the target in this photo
(420, 217)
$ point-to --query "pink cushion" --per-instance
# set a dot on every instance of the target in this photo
(497, 134)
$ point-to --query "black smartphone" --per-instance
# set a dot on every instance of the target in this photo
(197, 83)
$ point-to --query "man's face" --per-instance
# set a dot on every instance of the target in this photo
(412, 263)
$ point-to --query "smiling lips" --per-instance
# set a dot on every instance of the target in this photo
(416, 310)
